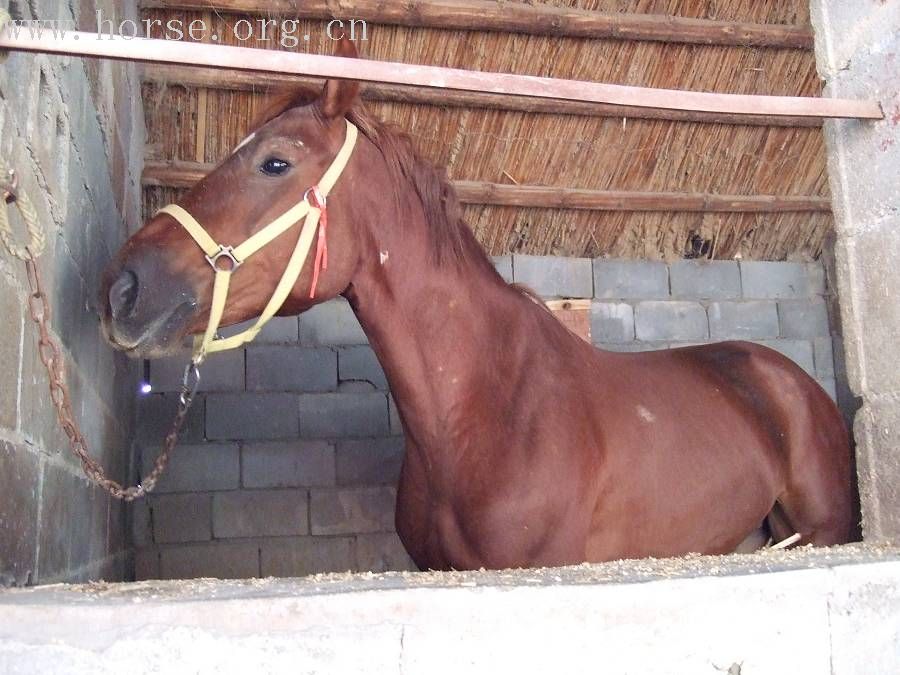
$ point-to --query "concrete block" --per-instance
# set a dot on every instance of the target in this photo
(66, 513)
(181, 518)
(382, 552)
(77, 326)
(260, 513)
(21, 473)
(670, 321)
(146, 564)
(705, 279)
(829, 385)
(553, 277)
(251, 416)
(37, 417)
(343, 415)
(818, 280)
(290, 464)
(291, 369)
(280, 330)
(10, 354)
(630, 279)
(778, 280)
(869, 288)
(824, 357)
(154, 416)
(218, 560)
(352, 511)
(877, 433)
(355, 387)
(753, 319)
(360, 363)
(503, 265)
(798, 351)
(331, 323)
(222, 371)
(864, 615)
(197, 468)
(302, 556)
(141, 523)
(633, 347)
(370, 462)
(803, 318)
(612, 322)
(47, 129)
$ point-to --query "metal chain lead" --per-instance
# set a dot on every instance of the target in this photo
(51, 356)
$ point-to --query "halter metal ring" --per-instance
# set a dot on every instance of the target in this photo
(226, 252)
(321, 200)
(190, 383)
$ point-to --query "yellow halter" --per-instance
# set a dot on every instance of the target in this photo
(235, 256)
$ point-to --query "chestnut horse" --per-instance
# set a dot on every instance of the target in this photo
(525, 446)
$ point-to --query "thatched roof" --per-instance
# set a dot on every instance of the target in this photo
(603, 153)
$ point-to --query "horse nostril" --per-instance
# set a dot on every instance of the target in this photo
(123, 295)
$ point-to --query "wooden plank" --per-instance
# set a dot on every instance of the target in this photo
(235, 80)
(517, 17)
(243, 58)
(574, 314)
(574, 304)
(186, 174)
(539, 196)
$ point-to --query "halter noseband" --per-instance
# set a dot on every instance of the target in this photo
(225, 260)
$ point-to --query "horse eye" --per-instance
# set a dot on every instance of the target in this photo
(275, 167)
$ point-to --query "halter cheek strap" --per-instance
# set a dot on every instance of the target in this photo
(225, 260)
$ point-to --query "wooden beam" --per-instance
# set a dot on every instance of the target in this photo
(516, 17)
(186, 174)
(295, 63)
(235, 80)
(539, 196)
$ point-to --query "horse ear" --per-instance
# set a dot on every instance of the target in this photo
(339, 96)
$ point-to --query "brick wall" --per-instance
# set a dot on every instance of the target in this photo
(293, 449)
(73, 130)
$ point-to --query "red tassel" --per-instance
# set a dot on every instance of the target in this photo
(321, 261)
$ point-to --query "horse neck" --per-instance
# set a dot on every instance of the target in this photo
(432, 326)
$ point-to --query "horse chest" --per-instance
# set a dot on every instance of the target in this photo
(462, 525)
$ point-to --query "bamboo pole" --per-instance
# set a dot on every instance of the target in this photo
(517, 17)
(234, 80)
(186, 174)
(243, 58)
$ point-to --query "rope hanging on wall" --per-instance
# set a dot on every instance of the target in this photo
(12, 194)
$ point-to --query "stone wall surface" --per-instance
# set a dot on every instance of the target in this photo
(294, 448)
(858, 56)
(73, 131)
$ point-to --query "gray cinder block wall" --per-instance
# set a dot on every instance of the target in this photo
(292, 452)
(858, 56)
(74, 133)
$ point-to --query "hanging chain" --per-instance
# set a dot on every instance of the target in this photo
(52, 358)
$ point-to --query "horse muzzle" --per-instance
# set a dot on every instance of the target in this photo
(147, 310)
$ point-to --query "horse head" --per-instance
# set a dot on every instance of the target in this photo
(160, 287)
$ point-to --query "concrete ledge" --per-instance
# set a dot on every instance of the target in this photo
(831, 611)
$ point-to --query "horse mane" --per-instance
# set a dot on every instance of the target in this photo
(451, 239)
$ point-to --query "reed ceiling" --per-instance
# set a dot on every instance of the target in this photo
(195, 124)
